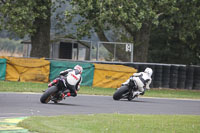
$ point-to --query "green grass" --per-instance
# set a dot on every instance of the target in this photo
(11, 86)
(8, 86)
(113, 123)
(173, 93)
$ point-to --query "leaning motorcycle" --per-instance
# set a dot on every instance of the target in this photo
(126, 91)
(55, 91)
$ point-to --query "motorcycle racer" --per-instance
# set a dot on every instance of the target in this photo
(66, 84)
(73, 80)
(142, 81)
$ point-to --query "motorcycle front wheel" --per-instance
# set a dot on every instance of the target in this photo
(121, 93)
(46, 97)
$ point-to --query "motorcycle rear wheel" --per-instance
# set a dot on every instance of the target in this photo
(119, 93)
(46, 97)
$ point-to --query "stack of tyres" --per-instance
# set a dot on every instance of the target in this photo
(127, 64)
(142, 67)
(196, 80)
(157, 76)
(173, 76)
(152, 66)
(136, 66)
(189, 77)
(181, 77)
(166, 76)
(133, 65)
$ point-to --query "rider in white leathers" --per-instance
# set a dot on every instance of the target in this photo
(142, 81)
(73, 80)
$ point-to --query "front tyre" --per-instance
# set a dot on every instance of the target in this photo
(120, 92)
(46, 97)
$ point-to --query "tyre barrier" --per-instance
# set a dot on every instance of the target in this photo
(181, 77)
(196, 80)
(152, 66)
(158, 76)
(189, 77)
(136, 66)
(166, 76)
(142, 67)
(173, 76)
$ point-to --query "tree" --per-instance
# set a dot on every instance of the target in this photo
(136, 18)
(133, 17)
(172, 51)
(10, 46)
(177, 35)
(28, 17)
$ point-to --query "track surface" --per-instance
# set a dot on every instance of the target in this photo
(18, 105)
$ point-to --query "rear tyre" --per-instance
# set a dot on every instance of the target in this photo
(46, 97)
(120, 92)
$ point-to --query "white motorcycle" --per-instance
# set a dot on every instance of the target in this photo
(127, 91)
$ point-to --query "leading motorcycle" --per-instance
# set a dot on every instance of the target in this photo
(126, 91)
(56, 90)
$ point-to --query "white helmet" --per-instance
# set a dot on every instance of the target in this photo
(77, 67)
(149, 71)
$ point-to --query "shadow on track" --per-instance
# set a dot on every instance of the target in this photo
(137, 101)
(64, 104)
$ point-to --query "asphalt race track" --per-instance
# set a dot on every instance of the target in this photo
(23, 104)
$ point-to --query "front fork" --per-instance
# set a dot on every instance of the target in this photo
(130, 95)
(132, 87)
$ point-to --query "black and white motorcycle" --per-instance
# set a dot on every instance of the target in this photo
(58, 88)
(127, 91)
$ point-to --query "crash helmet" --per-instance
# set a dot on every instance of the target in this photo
(79, 68)
(149, 71)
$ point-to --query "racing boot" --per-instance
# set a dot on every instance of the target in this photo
(64, 93)
(72, 94)
(136, 94)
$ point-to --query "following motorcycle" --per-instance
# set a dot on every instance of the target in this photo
(127, 91)
(56, 90)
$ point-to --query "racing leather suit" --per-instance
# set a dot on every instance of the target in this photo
(142, 80)
(75, 74)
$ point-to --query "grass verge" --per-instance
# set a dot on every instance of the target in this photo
(9, 86)
(115, 123)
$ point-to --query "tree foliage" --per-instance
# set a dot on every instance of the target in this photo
(10, 45)
(18, 16)
(128, 21)
(101, 15)
(177, 35)
(29, 17)
(136, 18)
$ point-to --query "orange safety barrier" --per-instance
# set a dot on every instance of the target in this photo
(111, 76)
(27, 69)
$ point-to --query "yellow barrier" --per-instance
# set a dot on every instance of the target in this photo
(27, 70)
(111, 76)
